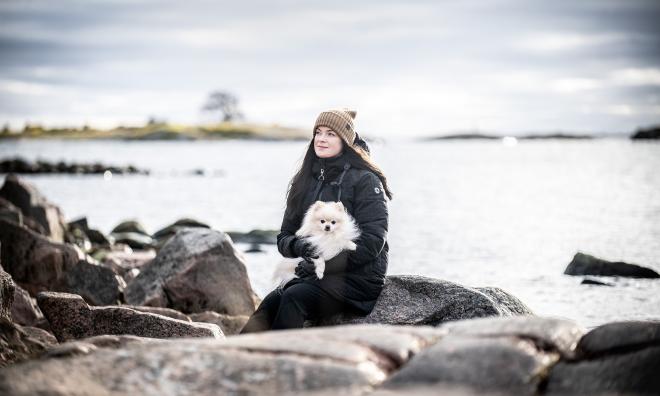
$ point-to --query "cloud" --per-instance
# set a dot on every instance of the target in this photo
(647, 76)
(559, 42)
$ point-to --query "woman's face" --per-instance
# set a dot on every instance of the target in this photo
(326, 142)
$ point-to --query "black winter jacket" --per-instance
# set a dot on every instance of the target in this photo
(361, 191)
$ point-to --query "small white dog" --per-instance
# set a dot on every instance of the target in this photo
(330, 229)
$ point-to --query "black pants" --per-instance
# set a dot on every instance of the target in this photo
(289, 308)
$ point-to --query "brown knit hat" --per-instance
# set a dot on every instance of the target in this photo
(340, 121)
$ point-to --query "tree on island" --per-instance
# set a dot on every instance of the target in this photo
(224, 102)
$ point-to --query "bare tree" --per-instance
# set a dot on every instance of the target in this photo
(224, 102)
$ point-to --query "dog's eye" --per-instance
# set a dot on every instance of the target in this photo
(333, 222)
(322, 221)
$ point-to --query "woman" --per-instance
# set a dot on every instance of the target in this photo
(336, 167)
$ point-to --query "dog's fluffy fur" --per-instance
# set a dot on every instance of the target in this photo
(330, 229)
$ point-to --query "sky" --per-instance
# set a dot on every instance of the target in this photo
(409, 68)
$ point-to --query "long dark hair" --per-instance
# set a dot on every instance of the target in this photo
(358, 157)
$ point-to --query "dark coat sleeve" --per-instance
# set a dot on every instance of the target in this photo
(371, 214)
(290, 224)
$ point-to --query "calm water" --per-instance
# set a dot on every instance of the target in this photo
(476, 213)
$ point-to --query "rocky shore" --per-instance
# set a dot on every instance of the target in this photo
(22, 166)
(83, 313)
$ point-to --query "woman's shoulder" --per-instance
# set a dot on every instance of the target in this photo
(367, 184)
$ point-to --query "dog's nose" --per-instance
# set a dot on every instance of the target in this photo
(327, 228)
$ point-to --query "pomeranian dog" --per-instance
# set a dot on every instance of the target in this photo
(330, 229)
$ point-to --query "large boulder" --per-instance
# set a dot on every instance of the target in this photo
(196, 270)
(523, 355)
(34, 262)
(98, 285)
(347, 360)
(584, 264)
(33, 205)
(38, 264)
(71, 318)
(620, 358)
(418, 300)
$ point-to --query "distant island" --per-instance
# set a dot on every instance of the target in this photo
(165, 131)
(480, 136)
(648, 133)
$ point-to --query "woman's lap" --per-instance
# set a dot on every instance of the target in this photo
(291, 306)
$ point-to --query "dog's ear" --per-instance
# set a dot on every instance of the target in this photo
(317, 205)
(339, 204)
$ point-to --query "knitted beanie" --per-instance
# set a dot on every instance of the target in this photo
(340, 121)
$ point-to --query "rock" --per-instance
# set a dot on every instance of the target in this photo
(94, 236)
(71, 318)
(170, 313)
(197, 270)
(339, 360)
(98, 238)
(98, 285)
(627, 372)
(648, 133)
(418, 300)
(10, 212)
(33, 261)
(133, 239)
(230, 324)
(618, 337)
(20, 165)
(170, 230)
(505, 364)
(123, 261)
(32, 204)
(491, 356)
(91, 344)
(25, 310)
(7, 290)
(584, 264)
(39, 334)
(255, 248)
(589, 281)
(559, 335)
(78, 237)
(129, 226)
(254, 236)
(16, 345)
(614, 358)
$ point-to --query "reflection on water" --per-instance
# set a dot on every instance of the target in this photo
(477, 213)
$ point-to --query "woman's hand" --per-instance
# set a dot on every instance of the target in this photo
(305, 268)
(302, 248)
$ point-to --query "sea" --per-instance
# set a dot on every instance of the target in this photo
(503, 213)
